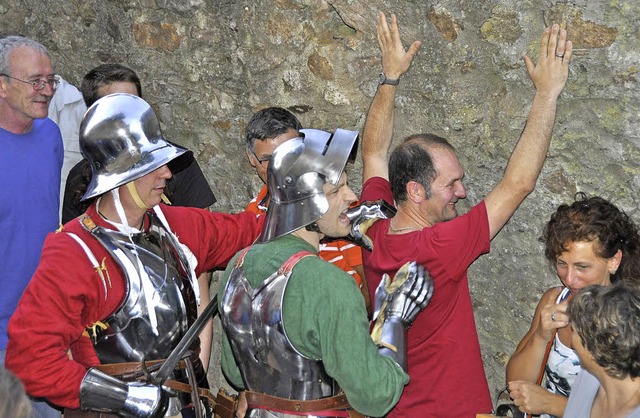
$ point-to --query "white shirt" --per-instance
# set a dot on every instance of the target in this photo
(67, 109)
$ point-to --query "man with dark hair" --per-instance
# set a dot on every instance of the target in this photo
(188, 187)
(100, 80)
(296, 329)
(412, 162)
(266, 130)
(30, 163)
(425, 176)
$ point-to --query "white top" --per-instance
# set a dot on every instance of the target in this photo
(562, 366)
(67, 109)
(582, 395)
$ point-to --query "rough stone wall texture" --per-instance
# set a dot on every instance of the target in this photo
(207, 65)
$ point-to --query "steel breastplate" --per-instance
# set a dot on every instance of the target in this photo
(129, 335)
(268, 362)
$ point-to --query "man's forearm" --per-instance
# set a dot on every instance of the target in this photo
(524, 166)
(528, 156)
(549, 76)
(378, 132)
(206, 335)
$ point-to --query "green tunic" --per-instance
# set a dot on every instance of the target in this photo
(325, 318)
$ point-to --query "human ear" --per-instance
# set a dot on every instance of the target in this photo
(415, 191)
(250, 157)
(614, 262)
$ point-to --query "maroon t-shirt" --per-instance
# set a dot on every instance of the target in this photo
(445, 366)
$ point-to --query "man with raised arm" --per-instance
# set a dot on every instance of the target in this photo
(424, 177)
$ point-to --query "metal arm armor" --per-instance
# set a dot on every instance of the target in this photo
(397, 304)
(103, 393)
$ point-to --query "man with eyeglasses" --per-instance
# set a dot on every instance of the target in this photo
(266, 130)
(30, 164)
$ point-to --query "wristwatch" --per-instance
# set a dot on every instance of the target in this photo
(391, 81)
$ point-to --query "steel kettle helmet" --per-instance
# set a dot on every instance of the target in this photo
(120, 136)
(297, 172)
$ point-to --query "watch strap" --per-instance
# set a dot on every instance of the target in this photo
(383, 79)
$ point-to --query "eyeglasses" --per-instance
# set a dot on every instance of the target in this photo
(263, 160)
(38, 85)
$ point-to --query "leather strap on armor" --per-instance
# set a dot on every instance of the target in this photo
(133, 370)
(225, 405)
(334, 406)
(287, 266)
(79, 413)
(136, 370)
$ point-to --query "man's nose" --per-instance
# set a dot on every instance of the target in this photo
(461, 193)
(351, 196)
(165, 172)
(48, 90)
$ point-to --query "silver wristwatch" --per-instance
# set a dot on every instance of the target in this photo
(383, 79)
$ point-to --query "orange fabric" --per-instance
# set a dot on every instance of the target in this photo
(343, 254)
(254, 206)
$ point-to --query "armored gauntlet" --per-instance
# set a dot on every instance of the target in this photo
(397, 304)
(363, 216)
(103, 393)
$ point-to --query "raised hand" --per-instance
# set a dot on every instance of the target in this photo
(395, 60)
(550, 74)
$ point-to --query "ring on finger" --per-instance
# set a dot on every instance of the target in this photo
(560, 55)
(553, 316)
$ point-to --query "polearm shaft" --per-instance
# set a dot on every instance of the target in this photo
(170, 363)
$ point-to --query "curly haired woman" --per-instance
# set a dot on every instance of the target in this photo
(589, 242)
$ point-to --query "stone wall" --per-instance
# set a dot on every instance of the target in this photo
(207, 65)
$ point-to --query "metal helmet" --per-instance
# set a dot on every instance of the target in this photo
(120, 137)
(297, 172)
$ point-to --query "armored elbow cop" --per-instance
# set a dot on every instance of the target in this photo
(102, 393)
(397, 304)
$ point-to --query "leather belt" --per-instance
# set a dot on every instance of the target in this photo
(133, 370)
(337, 406)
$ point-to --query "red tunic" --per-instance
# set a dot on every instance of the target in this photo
(66, 295)
(443, 352)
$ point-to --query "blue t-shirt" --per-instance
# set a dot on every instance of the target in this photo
(30, 167)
